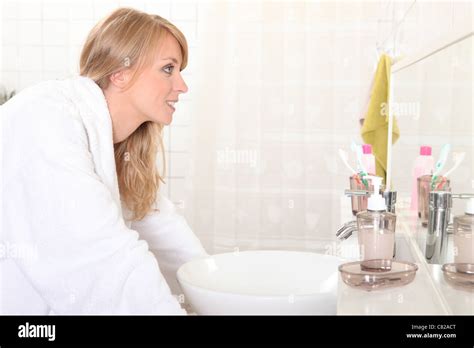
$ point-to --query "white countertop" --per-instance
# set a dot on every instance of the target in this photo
(428, 294)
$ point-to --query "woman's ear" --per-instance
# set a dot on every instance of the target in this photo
(120, 79)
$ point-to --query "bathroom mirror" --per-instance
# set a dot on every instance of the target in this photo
(432, 99)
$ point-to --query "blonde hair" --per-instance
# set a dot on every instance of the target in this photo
(127, 39)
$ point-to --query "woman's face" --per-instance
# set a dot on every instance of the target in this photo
(158, 87)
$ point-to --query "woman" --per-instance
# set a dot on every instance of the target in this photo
(80, 184)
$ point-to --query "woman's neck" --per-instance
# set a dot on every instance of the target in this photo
(122, 114)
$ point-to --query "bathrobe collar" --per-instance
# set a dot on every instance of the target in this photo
(98, 124)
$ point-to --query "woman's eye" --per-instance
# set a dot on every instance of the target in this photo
(168, 69)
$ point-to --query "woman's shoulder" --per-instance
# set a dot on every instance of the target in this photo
(44, 113)
(46, 97)
(72, 90)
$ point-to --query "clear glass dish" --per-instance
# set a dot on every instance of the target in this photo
(460, 275)
(357, 276)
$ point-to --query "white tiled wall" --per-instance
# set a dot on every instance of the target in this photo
(42, 39)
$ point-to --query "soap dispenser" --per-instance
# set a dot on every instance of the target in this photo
(376, 231)
(464, 235)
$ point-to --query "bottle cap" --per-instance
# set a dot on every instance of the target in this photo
(376, 201)
(366, 149)
(425, 150)
(470, 206)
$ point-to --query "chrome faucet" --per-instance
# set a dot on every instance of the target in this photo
(390, 200)
(346, 230)
(349, 227)
(438, 224)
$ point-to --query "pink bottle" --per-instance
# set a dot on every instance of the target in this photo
(368, 159)
(424, 165)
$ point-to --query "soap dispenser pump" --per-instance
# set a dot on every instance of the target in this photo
(376, 231)
(376, 202)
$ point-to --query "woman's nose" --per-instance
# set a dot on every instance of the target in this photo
(180, 85)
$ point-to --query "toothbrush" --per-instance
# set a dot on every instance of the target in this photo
(360, 167)
(441, 162)
(458, 158)
(343, 155)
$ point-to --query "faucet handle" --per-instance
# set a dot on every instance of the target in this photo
(351, 193)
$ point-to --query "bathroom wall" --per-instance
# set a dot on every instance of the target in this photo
(281, 86)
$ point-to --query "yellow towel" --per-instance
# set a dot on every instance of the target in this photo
(375, 128)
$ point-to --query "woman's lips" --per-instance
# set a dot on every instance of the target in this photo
(171, 105)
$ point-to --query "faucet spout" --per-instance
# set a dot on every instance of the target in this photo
(440, 204)
(346, 230)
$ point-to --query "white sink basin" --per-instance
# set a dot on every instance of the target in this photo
(261, 282)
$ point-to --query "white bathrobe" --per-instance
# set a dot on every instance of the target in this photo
(67, 246)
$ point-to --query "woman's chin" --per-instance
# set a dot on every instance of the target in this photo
(165, 121)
